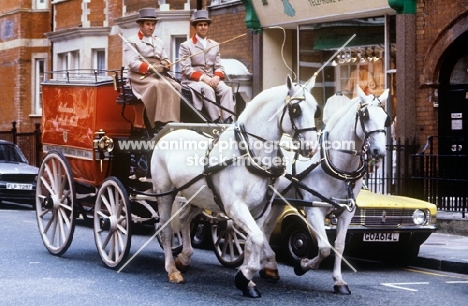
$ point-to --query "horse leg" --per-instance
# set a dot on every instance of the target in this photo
(341, 287)
(183, 259)
(241, 216)
(269, 269)
(164, 208)
(315, 216)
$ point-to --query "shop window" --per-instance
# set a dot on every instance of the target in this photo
(363, 62)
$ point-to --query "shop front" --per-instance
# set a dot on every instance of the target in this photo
(302, 37)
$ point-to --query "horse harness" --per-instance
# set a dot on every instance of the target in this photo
(350, 178)
(254, 166)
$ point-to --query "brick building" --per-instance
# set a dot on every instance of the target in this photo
(38, 36)
(422, 45)
(24, 53)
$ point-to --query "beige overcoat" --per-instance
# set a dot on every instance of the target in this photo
(162, 101)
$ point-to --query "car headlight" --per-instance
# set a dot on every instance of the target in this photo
(419, 217)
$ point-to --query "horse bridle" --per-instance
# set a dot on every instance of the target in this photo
(362, 114)
(295, 111)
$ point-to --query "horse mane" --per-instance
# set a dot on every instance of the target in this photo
(341, 112)
(264, 97)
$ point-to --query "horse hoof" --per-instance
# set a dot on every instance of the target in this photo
(176, 278)
(180, 266)
(342, 289)
(252, 292)
(242, 283)
(298, 269)
(270, 274)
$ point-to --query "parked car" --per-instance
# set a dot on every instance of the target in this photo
(384, 227)
(17, 177)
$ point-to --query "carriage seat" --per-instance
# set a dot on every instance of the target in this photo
(127, 97)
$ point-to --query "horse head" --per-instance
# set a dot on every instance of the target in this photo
(371, 123)
(298, 116)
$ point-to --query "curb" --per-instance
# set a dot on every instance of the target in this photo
(441, 265)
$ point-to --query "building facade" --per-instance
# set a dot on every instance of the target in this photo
(39, 36)
(417, 48)
(24, 54)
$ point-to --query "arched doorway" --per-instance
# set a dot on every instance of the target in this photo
(453, 125)
(453, 98)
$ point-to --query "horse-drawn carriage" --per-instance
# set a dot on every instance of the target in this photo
(97, 150)
(101, 162)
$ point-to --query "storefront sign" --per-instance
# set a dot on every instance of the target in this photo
(277, 12)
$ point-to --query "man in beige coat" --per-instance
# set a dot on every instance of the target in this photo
(162, 101)
(202, 71)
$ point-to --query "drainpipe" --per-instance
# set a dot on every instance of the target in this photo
(406, 76)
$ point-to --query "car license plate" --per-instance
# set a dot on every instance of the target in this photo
(381, 237)
(19, 186)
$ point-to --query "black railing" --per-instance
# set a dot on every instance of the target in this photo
(442, 178)
(436, 178)
(30, 143)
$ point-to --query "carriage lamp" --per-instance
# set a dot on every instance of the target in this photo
(102, 142)
(103, 145)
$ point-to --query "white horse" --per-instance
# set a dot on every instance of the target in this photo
(233, 176)
(335, 175)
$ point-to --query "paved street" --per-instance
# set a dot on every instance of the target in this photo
(29, 275)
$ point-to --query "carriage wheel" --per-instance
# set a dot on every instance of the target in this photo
(55, 203)
(112, 222)
(228, 243)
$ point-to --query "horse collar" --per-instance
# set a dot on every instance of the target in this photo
(254, 164)
(332, 170)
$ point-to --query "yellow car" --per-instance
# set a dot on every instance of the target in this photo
(384, 227)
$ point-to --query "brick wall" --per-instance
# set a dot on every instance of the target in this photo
(68, 14)
(228, 23)
(431, 18)
(15, 62)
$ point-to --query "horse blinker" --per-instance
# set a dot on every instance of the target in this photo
(295, 110)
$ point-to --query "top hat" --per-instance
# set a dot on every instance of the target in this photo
(200, 15)
(147, 14)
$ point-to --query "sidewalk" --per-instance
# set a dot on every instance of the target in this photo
(447, 249)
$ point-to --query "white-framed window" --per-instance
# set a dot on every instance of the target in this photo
(37, 77)
(176, 41)
(40, 4)
(69, 60)
(99, 60)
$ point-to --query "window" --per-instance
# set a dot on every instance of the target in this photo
(37, 76)
(40, 4)
(177, 40)
(69, 60)
(99, 60)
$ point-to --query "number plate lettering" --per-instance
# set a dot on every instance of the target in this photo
(19, 186)
(381, 237)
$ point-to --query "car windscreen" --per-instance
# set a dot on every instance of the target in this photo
(11, 153)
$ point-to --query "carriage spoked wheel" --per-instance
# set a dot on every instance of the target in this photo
(228, 242)
(55, 203)
(112, 222)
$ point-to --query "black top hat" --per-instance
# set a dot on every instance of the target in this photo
(200, 15)
(147, 14)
